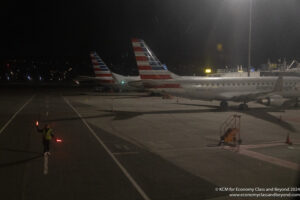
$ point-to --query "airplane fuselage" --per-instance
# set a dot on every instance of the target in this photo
(226, 88)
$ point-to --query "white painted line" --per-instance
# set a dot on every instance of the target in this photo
(10, 120)
(123, 169)
(255, 146)
(125, 153)
(126, 147)
(270, 159)
(45, 164)
(47, 113)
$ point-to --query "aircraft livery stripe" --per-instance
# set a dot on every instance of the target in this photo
(139, 53)
(101, 69)
(100, 66)
(141, 58)
(98, 63)
(102, 72)
(137, 44)
(154, 68)
(141, 49)
(145, 67)
(104, 75)
(136, 40)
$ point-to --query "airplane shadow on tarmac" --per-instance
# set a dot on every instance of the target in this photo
(77, 118)
(260, 113)
(20, 161)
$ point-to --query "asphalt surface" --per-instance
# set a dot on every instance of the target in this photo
(80, 167)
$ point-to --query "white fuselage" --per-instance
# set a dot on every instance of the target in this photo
(228, 88)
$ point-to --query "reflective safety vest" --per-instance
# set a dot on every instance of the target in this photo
(48, 134)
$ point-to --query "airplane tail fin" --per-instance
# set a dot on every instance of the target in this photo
(101, 70)
(148, 65)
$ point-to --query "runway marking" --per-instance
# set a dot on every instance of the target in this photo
(125, 153)
(123, 169)
(45, 164)
(255, 146)
(10, 120)
(244, 150)
(126, 147)
(270, 159)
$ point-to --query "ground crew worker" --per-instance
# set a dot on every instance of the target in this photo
(47, 136)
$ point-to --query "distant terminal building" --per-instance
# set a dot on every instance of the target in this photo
(238, 72)
(272, 69)
(283, 69)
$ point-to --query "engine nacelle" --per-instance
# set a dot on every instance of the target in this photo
(274, 100)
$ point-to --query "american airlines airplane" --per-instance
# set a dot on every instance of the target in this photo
(109, 79)
(272, 91)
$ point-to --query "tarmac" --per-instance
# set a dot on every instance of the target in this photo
(136, 146)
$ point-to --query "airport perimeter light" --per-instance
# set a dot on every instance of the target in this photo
(249, 39)
(207, 70)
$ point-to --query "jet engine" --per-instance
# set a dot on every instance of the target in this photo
(275, 100)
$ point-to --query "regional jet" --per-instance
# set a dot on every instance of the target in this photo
(106, 78)
(273, 91)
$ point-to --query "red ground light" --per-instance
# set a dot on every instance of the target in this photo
(58, 140)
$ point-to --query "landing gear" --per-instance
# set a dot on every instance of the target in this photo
(243, 106)
(297, 102)
(224, 105)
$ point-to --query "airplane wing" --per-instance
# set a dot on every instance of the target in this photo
(136, 84)
(86, 78)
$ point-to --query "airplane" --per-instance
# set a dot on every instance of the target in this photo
(108, 79)
(272, 91)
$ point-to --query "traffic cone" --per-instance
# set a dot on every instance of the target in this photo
(288, 141)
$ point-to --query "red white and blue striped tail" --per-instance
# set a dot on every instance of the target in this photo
(148, 65)
(101, 70)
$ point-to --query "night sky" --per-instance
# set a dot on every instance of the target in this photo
(180, 32)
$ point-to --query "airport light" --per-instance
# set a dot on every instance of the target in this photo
(58, 140)
(208, 70)
(249, 39)
(249, 36)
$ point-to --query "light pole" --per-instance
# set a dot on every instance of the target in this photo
(249, 39)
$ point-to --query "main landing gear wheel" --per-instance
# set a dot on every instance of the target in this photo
(297, 102)
(224, 105)
(243, 106)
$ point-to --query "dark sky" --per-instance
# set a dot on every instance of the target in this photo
(181, 32)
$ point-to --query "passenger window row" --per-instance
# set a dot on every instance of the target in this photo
(237, 84)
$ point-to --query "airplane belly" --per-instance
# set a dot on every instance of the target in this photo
(201, 93)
